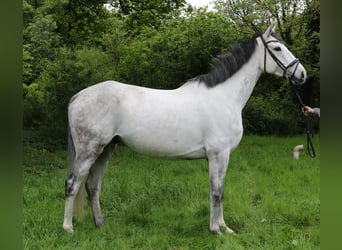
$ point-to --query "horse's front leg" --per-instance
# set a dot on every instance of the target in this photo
(218, 164)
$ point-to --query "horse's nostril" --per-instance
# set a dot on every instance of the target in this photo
(303, 75)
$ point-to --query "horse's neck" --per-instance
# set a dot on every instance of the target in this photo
(238, 88)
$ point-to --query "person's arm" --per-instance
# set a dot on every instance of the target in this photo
(311, 111)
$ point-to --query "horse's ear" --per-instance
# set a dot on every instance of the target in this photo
(270, 29)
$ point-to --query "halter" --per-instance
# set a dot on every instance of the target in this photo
(279, 63)
(309, 135)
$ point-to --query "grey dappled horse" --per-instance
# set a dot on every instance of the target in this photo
(200, 119)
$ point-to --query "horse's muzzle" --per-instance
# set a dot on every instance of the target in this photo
(299, 76)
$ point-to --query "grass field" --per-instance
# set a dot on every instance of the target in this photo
(271, 201)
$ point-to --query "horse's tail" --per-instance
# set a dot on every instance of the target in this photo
(80, 196)
(71, 151)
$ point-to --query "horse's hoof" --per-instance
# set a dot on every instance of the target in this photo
(99, 223)
(215, 231)
(68, 229)
(229, 231)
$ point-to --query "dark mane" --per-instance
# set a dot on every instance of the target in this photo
(226, 65)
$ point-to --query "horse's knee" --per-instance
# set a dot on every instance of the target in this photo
(217, 197)
(217, 193)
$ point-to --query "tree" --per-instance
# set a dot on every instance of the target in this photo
(41, 42)
(256, 14)
(179, 50)
(311, 51)
(28, 74)
(150, 13)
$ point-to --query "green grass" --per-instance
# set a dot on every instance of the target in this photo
(271, 201)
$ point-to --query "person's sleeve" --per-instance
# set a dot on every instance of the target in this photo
(318, 111)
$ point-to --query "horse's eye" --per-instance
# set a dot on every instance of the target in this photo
(277, 49)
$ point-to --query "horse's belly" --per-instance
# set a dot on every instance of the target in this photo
(165, 147)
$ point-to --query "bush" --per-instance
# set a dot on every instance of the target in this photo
(45, 103)
(273, 111)
(34, 105)
(180, 50)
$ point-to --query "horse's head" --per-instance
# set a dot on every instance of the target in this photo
(279, 60)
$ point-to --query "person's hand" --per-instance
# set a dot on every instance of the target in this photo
(308, 110)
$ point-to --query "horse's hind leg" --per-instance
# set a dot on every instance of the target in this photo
(85, 156)
(93, 184)
(72, 185)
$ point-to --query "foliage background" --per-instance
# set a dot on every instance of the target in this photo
(71, 44)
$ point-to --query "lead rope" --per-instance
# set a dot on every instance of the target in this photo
(309, 134)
